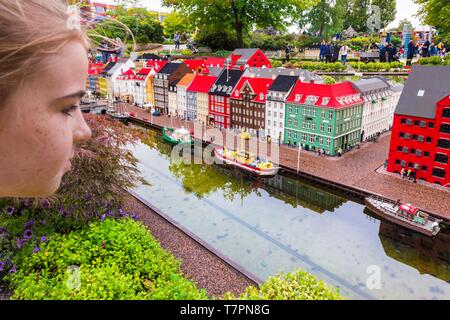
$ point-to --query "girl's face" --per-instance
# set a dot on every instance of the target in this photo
(39, 124)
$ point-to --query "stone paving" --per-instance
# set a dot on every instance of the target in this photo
(357, 168)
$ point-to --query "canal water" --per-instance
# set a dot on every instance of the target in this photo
(283, 224)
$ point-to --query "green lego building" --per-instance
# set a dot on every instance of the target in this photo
(325, 117)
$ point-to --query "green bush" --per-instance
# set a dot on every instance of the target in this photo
(329, 80)
(115, 259)
(377, 66)
(276, 63)
(222, 53)
(322, 66)
(435, 61)
(186, 52)
(299, 285)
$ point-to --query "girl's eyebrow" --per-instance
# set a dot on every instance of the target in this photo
(78, 94)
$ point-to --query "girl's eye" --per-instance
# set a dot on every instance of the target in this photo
(69, 110)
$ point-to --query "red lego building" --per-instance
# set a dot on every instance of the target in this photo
(241, 59)
(219, 109)
(420, 139)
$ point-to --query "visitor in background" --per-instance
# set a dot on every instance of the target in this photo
(382, 53)
(344, 52)
(329, 52)
(176, 40)
(336, 50)
(323, 51)
(425, 49)
(410, 53)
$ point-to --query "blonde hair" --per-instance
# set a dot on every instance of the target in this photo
(31, 31)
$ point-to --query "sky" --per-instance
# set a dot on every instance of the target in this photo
(405, 9)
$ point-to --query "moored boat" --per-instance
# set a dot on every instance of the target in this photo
(177, 136)
(246, 161)
(121, 116)
(405, 215)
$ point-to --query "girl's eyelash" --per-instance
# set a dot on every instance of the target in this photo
(69, 110)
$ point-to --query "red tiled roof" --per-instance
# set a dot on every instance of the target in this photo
(143, 73)
(326, 95)
(215, 61)
(202, 83)
(260, 86)
(156, 64)
(127, 75)
(194, 65)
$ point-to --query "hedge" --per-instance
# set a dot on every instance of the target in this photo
(377, 66)
(115, 259)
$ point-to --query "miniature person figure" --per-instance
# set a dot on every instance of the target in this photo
(323, 51)
(408, 174)
(402, 172)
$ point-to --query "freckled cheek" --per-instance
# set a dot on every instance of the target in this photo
(55, 149)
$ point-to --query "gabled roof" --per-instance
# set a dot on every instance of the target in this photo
(425, 87)
(186, 80)
(197, 64)
(202, 83)
(156, 64)
(127, 75)
(226, 82)
(241, 56)
(370, 85)
(143, 74)
(215, 62)
(205, 64)
(169, 68)
(325, 95)
(259, 87)
(283, 83)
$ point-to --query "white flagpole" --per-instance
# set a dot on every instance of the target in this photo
(298, 157)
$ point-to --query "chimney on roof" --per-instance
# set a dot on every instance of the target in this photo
(311, 81)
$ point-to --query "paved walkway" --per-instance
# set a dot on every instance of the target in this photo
(356, 168)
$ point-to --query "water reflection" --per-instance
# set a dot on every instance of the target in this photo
(272, 225)
(427, 255)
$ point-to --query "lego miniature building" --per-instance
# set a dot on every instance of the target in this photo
(248, 103)
(420, 139)
(219, 98)
(325, 117)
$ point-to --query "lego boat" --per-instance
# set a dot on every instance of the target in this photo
(246, 161)
(404, 214)
(176, 136)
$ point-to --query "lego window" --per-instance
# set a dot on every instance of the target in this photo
(446, 113)
(438, 172)
(445, 128)
(442, 158)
